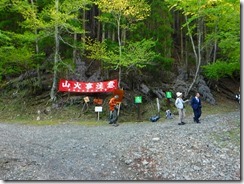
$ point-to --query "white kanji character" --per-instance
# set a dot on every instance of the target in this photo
(99, 86)
(89, 86)
(110, 84)
(66, 84)
(77, 85)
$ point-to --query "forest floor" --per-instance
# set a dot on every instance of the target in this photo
(34, 112)
(24, 106)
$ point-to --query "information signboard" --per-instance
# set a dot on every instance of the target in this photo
(138, 99)
(168, 94)
(98, 109)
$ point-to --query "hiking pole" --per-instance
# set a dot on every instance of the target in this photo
(118, 109)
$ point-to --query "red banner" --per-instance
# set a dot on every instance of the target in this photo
(87, 87)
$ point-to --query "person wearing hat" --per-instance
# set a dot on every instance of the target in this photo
(179, 103)
(197, 107)
(113, 116)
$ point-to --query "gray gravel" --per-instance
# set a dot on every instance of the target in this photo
(131, 151)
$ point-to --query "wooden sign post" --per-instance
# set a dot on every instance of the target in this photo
(168, 96)
(98, 109)
(138, 101)
(158, 105)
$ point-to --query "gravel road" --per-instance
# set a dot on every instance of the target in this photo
(131, 151)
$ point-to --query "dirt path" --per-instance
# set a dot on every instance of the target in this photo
(155, 151)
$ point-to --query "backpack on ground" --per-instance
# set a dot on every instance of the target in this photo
(168, 114)
(154, 118)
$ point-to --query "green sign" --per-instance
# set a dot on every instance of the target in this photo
(138, 99)
(168, 94)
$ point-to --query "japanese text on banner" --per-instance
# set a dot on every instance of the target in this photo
(87, 87)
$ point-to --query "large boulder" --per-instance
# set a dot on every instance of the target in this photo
(205, 91)
(181, 86)
(144, 89)
(80, 70)
(201, 86)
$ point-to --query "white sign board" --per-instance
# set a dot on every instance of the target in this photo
(98, 109)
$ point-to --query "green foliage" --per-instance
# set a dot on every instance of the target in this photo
(139, 54)
(96, 50)
(132, 9)
(135, 54)
(158, 27)
(220, 69)
(3, 4)
(228, 37)
(15, 60)
(17, 54)
(65, 65)
(4, 38)
(222, 20)
(165, 62)
(230, 46)
(147, 41)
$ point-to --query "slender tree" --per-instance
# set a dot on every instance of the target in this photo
(133, 10)
(197, 14)
(62, 17)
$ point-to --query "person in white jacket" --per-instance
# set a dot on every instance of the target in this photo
(179, 103)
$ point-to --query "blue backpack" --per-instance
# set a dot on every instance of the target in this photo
(154, 118)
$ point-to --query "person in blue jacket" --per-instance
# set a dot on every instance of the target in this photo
(197, 107)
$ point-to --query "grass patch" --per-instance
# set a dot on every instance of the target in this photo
(24, 110)
(230, 137)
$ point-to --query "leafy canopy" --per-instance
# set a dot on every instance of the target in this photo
(135, 54)
(131, 9)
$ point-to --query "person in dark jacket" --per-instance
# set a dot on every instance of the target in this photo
(197, 107)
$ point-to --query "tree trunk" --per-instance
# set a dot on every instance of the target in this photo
(181, 46)
(120, 50)
(93, 22)
(103, 32)
(123, 36)
(37, 49)
(36, 41)
(75, 50)
(98, 27)
(215, 45)
(84, 28)
(197, 55)
(186, 53)
(56, 57)
(113, 36)
(109, 33)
